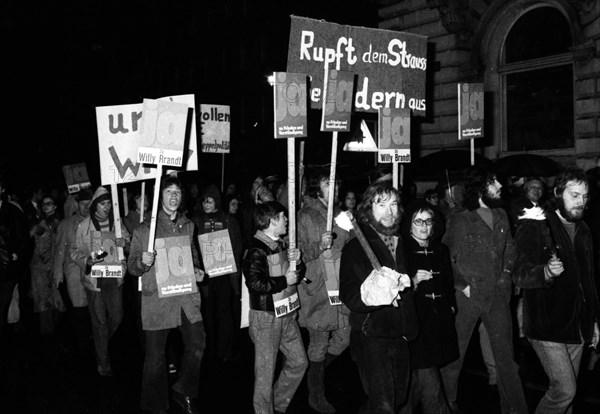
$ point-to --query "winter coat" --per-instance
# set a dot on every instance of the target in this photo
(163, 313)
(567, 305)
(481, 258)
(316, 312)
(436, 343)
(384, 321)
(14, 241)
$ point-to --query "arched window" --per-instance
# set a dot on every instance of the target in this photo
(537, 79)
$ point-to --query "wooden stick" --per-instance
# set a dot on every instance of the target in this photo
(114, 192)
(142, 201)
(365, 244)
(472, 151)
(125, 203)
(154, 208)
(301, 171)
(291, 173)
(222, 173)
(331, 199)
(401, 183)
(395, 175)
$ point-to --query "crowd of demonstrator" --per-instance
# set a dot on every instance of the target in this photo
(415, 278)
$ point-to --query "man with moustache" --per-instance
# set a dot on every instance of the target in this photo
(554, 267)
(482, 255)
(379, 331)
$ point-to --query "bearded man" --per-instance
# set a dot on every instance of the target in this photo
(555, 269)
(482, 254)
(379, 333)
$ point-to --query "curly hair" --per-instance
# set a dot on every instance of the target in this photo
(376, 192)
(476, 183)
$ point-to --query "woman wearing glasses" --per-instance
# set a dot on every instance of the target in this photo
(428, 264)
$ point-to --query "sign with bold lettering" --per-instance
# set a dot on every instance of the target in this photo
(162, 134)
(119, 139)
(289, 101)
(174, 266)
(110, 266)
(390, 65)
(215, 126)
(470, 110)
(76, 177)
(394, 135)
(337, 108)
(217, 254)
(286, 301)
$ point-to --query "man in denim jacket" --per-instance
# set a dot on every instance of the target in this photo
(482, 254)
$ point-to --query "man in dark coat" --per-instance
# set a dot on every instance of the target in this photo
(482, 254)
(555, 269)
(379, 332)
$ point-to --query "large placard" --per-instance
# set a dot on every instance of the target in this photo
(289, 103)
(174, 266)
(215, 128)
(470, 110)
(337, 109)
(119, 138)
(390, 65)
(217, 253)
(286, 301)
(110, 266)
(76, 177)
(394, 135)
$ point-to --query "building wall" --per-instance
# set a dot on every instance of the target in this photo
(463, 35)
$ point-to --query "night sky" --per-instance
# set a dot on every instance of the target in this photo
(61, 59)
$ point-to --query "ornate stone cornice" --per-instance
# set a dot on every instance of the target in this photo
(454, 15)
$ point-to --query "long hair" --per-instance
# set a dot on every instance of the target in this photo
(375, 193)
(476, 184)
(561, 181)
(314, 182)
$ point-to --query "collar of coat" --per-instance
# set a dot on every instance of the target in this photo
(272, 244)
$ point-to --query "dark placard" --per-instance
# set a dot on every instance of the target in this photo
(289, 102)
(470, 110)
(337, 109)
(394, 135)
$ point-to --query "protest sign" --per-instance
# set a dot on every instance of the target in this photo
(110, 266)
(337, 108)
(119, 138)
(217, 253)
(174, 267)
(286, 301)
(470, 110)
(76, 177)
(390, 65)
(215, 126)
(331, 265)
(162, 134)
(394, 135)
(289, 98)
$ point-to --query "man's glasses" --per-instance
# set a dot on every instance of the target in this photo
(419, 222)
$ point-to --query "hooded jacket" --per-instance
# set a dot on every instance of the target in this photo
(90, 237)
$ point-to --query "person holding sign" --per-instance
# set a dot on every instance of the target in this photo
(220, 244)
(380, 330)
(95, 252)
(167, 302)
(325, 317)
(273, 328)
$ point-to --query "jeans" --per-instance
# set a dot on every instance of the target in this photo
(106, 314)
(426, 387)
(384, 369)
(269, 335)
(561, 363)
(217, 312)
(498, 324)
(487, 354)
(322, 343)
(155, 386)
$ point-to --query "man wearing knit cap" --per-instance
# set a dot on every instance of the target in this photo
(219, 292)
(65, 269)
(95, 252)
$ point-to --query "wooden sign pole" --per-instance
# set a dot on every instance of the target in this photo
(114, 192)
(142, 201)
(291, 173)
(154, 208)
(331, 200)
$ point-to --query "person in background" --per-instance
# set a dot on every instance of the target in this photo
(66, 270)
(218, 293)
(531, 196)
(134, 202)
(555, 269)
(380, 330)
(47, 301)
(482, 254)
(428, 265)
(349, 201)
(96, 244)
(327, 324)
(268, 332)
(161, 315)
(432, 198)
(13, 252)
